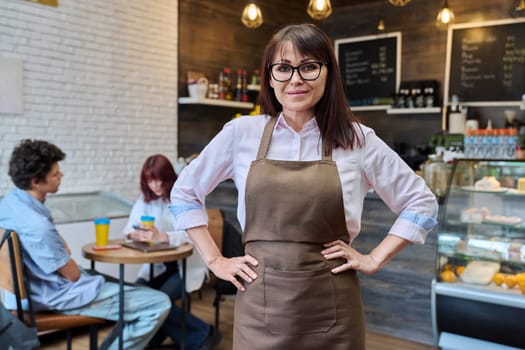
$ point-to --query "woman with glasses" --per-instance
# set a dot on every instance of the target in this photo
(302, 170)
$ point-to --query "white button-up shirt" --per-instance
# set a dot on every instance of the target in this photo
(373, 166)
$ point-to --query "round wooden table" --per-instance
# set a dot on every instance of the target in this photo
(125, 255)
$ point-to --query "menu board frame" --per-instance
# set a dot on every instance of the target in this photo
(393, 38)
(455, 28)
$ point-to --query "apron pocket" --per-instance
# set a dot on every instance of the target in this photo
(298, 302)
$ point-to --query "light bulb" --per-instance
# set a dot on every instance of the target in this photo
(252, 16)
(319, 5)
(252, 12)
(319, 9)
(445, 17)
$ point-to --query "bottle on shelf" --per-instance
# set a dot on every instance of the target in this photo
(410, 98)
(256, 77)
(222, 93)
(513, 143)
(498, 138)
(419, 98)
(238, 86)
(478, 141)
(213, 91)
(244, 86)
(400, 99)
(468, 144)
(225, 85)
(491, 147)
(429, 97)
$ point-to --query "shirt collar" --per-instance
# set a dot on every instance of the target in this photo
(309, 126)
(26, 198)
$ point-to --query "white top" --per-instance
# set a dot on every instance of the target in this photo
(196, 270)
(374, 166)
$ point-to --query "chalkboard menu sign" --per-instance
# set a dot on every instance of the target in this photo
(486, 61)
(370, 68)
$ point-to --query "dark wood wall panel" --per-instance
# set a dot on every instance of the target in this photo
(211, 37)
(423, 54)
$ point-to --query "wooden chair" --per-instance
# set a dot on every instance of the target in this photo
(13, 279)
(215, 226)
(229, 240)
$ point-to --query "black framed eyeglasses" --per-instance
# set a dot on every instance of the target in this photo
(307, 71)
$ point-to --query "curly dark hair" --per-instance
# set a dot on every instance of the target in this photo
(32, 159)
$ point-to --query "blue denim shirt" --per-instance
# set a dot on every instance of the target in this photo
(44, 254)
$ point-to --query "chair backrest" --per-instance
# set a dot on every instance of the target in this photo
(216, 225)
(12, 276)
(231, 247)
(14, 280)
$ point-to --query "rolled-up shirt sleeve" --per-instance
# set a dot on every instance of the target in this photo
(213, 165)
(404, 192)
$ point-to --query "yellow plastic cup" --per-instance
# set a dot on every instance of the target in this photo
(101, 232)
(147, 221)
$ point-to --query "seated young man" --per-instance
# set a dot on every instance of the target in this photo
(57, 283)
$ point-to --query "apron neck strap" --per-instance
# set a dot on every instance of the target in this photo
(267, 136)
(327, 156)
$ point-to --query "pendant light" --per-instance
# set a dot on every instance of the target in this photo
(445, 16)
(251, 15)
(399, 3)
(319, 9)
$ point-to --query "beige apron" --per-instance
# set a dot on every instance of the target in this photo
(292, 208)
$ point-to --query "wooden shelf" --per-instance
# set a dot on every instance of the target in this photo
(421, 110)
(492, 104)
(390, 110)
(369, 108)
(214, 102)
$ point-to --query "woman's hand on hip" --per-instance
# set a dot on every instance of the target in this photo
(235, 269)
(354, 260)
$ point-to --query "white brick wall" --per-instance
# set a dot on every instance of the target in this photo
(100, 81)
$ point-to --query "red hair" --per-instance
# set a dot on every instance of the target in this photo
(157, 167)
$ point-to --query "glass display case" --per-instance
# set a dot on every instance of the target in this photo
(478, 294)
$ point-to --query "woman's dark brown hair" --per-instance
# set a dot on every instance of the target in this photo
(333, 115)
(157, 167)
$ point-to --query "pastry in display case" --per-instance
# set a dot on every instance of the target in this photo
(478, 294)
